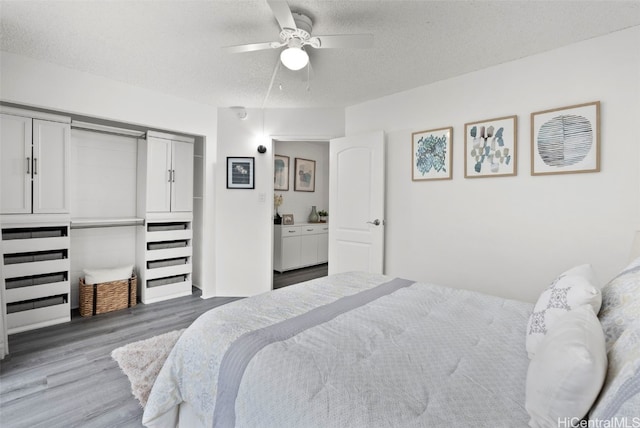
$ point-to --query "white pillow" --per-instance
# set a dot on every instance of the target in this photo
(620, 393)
(96, 276)
(620, 303)
(567, 372)
(573, 288)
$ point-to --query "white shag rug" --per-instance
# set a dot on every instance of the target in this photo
(141, 361)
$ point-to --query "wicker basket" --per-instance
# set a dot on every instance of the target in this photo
(107, 296)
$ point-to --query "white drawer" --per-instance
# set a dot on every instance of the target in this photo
(311, 229)
(290, 231)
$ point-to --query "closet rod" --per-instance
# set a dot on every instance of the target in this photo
(86, 224)
(104, 129)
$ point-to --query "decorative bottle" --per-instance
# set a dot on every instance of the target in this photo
(313, 217)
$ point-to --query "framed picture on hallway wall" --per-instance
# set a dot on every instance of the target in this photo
(280, 172)
(240, 173)
(305, 175)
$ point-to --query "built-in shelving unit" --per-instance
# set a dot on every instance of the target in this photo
(35, 269)
(123, 196)
(165, 201)
(165, 259)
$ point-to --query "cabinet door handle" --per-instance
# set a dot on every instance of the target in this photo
(35, 166)
(28, 166)
(292, 231)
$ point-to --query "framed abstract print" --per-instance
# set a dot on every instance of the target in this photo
(490, 147)
(431, 154)
(566, 140)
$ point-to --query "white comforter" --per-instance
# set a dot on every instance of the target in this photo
(424, 355)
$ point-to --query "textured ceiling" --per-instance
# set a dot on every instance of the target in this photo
(175, 46)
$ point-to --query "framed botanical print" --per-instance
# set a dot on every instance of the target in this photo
(566, 140)
(431, 154)
(305, 175)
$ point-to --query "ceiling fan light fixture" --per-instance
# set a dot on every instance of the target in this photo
(294, 58)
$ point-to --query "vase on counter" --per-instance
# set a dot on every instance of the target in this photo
(313, 217)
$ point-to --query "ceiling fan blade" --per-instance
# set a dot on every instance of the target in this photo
(358, 41)
(252, 47)
(282, 13)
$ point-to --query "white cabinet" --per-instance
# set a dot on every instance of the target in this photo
(181, 176)
(287, 245)
(35, 165)
(300, 245)
(164, 259)
(16, 157)
(35, 274)
(165, 201)
(167, 165)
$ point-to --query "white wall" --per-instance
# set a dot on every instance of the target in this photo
(299, 203)
(244, 218)
(39, 84)
(510, 236)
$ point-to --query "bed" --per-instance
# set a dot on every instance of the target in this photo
(362, 350)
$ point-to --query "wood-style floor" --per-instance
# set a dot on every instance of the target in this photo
(299, 275)
(63, 375)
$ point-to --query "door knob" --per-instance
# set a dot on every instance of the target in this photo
(375, 222)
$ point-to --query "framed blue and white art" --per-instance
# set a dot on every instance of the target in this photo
(566, 140)
(490, 147)
(431, 154)
(305, 175)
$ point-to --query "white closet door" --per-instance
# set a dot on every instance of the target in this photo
(158, 175)
(182, 176)
(15, 159)
(51, 143)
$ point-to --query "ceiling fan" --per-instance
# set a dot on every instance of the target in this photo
(295, 34)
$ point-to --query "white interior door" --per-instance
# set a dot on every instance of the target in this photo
(356, 201)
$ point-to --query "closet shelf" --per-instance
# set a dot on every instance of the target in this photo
(95, 222)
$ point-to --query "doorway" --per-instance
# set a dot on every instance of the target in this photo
(301, 184)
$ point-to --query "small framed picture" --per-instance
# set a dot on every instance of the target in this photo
(431, 154)
(490, 147)
(566, 140)
(287, 219)
(240, 173)
(305, 175)
(280, 172)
